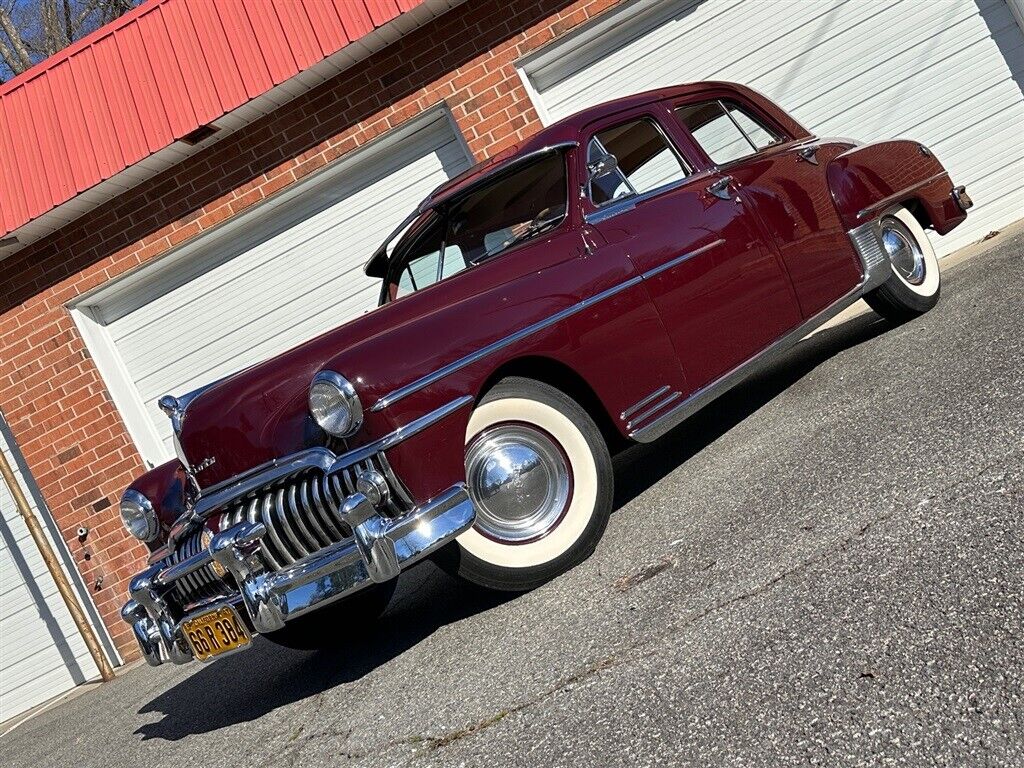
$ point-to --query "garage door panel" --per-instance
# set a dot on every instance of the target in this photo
(946, 73)
(327, 248)
(215, 355)
(224, 246)
(218, 324)
(853, 50)
(353, 217)
(904, 89)
(41, 652)
(273, 278)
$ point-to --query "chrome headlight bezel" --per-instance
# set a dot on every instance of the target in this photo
(334, 404)
(139, 516)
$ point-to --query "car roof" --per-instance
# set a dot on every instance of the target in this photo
(565, 132)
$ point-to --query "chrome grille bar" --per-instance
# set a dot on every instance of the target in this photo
(198, 584)
(300, 511)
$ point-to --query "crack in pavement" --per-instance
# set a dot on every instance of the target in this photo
(429, 744)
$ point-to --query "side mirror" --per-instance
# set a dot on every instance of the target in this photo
(377, 266)
(603, 166)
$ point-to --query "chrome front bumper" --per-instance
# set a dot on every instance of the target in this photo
(379, 549)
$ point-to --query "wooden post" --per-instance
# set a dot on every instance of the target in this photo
(53, 564)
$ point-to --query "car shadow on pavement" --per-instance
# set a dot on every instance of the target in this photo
(640, 467)
(248, 685)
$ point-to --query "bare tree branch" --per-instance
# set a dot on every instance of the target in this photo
(31, 30)
(69, 30)
(8, 56)
(22, 61)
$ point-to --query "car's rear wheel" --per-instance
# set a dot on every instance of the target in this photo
(913, 287)
(540, 475)
(327, 627)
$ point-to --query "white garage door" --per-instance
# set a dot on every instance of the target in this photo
(948, 73)
(42, 653)
(278, 276)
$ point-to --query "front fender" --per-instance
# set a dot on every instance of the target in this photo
(165, 487)
(866, 180)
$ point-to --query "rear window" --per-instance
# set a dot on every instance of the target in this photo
(725, 130)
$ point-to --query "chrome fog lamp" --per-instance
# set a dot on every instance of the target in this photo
(334, 404)
(138, 516)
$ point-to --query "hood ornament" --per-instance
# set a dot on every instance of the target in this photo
(174, 409)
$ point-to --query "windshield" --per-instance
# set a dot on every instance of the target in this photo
(488, 219)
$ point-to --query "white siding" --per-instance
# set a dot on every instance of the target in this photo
(42, 653)
(287, 272)
(948, 73)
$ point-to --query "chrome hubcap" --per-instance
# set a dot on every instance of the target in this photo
(520, 481)
(903, 250)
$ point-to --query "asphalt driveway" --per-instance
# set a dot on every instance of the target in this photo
(823, 567)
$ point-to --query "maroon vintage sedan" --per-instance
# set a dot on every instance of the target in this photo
(593, 287)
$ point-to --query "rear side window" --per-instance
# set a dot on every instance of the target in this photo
(725, 130)
(644, 156)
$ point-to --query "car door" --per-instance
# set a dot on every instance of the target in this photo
(784, 182)
(721, 293)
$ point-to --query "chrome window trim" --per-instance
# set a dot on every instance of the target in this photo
(622, 205)
(781, 141)
(688, 170)
(500, 168)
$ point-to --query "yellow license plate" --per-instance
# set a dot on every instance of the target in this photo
(216, 632)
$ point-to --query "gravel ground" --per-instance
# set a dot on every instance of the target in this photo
(823, 567)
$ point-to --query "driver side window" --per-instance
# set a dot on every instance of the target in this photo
(490, 217)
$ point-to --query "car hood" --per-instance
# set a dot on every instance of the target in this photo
(262, 413)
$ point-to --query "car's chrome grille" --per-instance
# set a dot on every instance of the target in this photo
(198, 584)
(300, 511)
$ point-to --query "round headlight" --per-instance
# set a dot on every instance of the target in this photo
(138, 516)
(334, 404)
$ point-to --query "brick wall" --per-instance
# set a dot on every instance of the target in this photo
(50, 391)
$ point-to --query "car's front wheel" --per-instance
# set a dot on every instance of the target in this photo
(540, 476)
(913, 287)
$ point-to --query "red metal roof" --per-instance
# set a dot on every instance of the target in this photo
(152, 76)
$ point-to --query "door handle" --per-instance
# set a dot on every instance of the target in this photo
(721, 188)
(807, 154)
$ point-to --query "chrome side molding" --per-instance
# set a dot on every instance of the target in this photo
(640, 404)
(425, 381)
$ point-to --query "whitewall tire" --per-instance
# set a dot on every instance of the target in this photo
(914, 285)
(540, 476)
